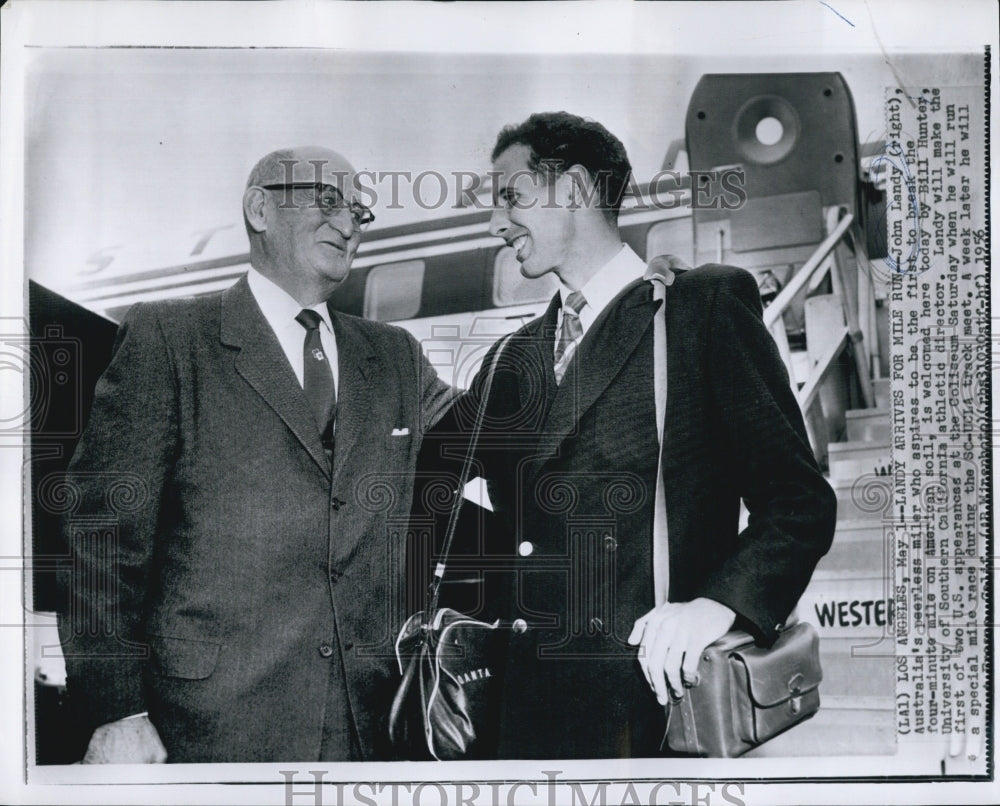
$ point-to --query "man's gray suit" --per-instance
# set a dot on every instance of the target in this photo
(250, 602)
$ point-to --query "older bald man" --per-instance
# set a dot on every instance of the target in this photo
(236, 602)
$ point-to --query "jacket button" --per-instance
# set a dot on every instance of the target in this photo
(610, 543)
(519, 625)
(525, 548)
(325, 650)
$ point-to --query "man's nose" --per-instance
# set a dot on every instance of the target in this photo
(343, 220)
(499, 222)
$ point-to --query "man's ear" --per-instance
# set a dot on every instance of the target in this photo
(582, 192)
(255, 208)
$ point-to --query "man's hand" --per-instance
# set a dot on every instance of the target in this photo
(133, 740)
(671, 638)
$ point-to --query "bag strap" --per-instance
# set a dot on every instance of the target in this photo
(689, 724)
(660, 275)
(434, 591)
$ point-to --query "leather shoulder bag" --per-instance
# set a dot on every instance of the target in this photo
(447, 660)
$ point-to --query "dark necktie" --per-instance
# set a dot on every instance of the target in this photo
(570, 331)
(317, 376)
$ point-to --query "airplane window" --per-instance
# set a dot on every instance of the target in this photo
(392, 291)
(672, 237)
(511, 288)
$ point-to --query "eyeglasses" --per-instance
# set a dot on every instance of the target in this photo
(330, 201)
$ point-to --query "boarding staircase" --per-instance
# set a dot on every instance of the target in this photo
(849, 602)
(846, 410)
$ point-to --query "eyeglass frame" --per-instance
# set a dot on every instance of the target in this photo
(361, 215)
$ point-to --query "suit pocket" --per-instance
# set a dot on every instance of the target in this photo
(398, 447)
(186, 658)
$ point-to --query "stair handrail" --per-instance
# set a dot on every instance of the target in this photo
(781, 302)
(822, 260)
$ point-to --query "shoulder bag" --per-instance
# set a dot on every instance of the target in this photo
(442, 709)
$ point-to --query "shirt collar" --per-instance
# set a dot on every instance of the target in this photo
(625, 267)
(277, 305)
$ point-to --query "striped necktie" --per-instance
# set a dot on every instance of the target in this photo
(317, 375)
(570, 332)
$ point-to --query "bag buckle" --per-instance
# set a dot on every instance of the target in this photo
(795, 689)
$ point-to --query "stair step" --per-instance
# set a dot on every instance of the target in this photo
(847, 672)
(868, 425)
(835, 732)
(859, 546)
(857, 450)
(848, 604)
(861, 557)
(865, 497)
(854, 467)
(859, 530)
(875, 704)
(866, 577)
(853, 459)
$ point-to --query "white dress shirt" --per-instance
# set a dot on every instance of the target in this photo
(604, 286)
(280, 310)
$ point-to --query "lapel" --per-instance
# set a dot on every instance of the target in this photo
(359, 367)
(539, 336)
(263, 364)
(604, 350)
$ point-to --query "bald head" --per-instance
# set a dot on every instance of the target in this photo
(270, 166)
(301, 164)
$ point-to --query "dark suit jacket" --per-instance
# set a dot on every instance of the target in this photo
(226, 577)
(573, 470)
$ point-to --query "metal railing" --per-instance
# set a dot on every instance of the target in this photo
(828, 258)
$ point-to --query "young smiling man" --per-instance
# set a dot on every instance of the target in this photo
(571, 452)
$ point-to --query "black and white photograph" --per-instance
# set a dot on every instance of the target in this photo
(497, 403)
